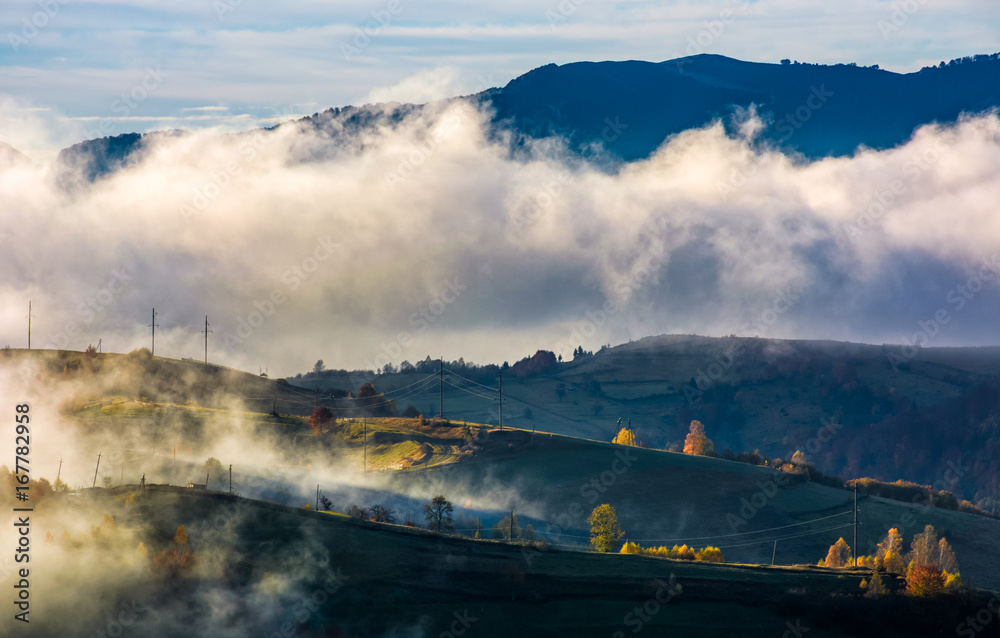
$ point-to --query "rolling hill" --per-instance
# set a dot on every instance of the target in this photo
(550, 480)
(895, 417)
(259, 568)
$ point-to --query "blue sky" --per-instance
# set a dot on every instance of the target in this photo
(115, 66)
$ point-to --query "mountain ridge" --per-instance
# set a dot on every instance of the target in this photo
(623, 111)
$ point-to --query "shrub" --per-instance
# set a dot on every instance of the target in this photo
(710, 555)
(924, 580)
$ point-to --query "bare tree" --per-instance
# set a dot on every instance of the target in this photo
(438, 513)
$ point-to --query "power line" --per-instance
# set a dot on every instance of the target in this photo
(785, 538)
(748, 532)
(702, 538)
(471, 392)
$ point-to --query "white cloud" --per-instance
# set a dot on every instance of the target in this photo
(435, 202)
(426, 86)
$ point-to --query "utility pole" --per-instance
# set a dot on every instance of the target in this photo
(96, 469)
(207, 332)
(501, 399)
(855, 524)
(364, 459)
(59, 473)
(230, 479)
(317, 497)
(512, 526)
(153, 326)
(29, 325)
(142, 490)
(99, 345)
(441, 383)
(773, 553)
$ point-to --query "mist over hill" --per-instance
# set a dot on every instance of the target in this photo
(470, 228)
(625, 110)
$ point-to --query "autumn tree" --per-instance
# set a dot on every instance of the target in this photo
(438, 514)
(696, 442)
(924, 549)
(799, 458)
(605, 532)
(381, 514)
(924, 580)
(624, 437)
(839, 554)
(932, 564)
(506, 529)
(173, 562)
(875, 587)
(710, 554)
(176, 560)
(889, 553)
(366, 390)
(946, 557)
(358, 512)
(319, 419)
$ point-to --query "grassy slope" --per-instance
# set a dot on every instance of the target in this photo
(404, 577)
(671, 498)
(661, 497)
(658, 498)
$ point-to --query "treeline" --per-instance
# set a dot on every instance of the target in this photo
(915, 493)
(707, 554)
(968, 59)
(541, 362)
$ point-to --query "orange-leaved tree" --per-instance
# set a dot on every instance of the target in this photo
(319, 419)
(696, 441)
(924, 580)
(839, 554)
(932, 565)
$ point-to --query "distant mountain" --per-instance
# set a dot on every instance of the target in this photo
(630, 108)
(10, 157)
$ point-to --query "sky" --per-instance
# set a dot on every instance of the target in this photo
(425, 238)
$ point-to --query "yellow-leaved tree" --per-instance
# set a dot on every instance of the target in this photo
(181, 537)
(605, 532)
(624, 437)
